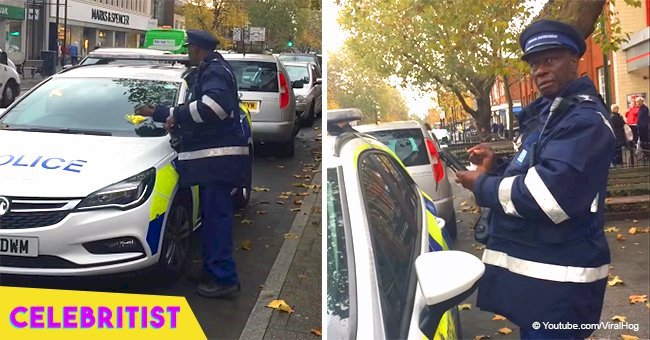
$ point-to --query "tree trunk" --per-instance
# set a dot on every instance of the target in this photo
(484, 112)
(510, 105)
(579, 13)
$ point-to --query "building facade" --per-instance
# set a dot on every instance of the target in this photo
(13, 29)
(98, 23)
(632, 61)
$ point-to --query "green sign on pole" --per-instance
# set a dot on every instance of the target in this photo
(11, 12)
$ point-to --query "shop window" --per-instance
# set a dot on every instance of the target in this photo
(15, 45)
(601, 81)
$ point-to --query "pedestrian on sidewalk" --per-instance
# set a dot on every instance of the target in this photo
(618, 125)
(631, 118)
(642, 122)
(213, 154)
(547, 258)
(74, 53)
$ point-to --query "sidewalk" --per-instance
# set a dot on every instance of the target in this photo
(296, 278)
(630, 262)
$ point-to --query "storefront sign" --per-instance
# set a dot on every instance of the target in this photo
(106, 16)
(11, 12)
(85, 12)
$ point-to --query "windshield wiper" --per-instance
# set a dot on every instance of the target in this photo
(58, 130)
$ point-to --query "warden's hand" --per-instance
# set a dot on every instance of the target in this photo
(144, 110)
(468, 178)
(169, 123)
(483, 156)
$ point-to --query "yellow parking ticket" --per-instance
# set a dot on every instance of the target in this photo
(135, 119)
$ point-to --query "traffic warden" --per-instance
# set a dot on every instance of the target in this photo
(213, 154)
(546, 256)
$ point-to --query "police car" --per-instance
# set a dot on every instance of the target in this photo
(390, 272)
(84, 190)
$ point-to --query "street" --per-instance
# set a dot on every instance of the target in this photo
(258, 236)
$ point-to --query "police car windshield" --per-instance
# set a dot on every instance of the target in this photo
(89, 104)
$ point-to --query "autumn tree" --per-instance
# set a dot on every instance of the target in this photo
(351, 85)
(216, 16)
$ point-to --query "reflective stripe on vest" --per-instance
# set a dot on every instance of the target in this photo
(545, 271)
(214, 152)
(505, 196)
(544, 197)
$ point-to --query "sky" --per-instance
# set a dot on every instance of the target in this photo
(334, 36)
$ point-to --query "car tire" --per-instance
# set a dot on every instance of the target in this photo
(9, 93)
(175, 249)
(241, 196)
(451, 227)
(311, 117)
(287, 149)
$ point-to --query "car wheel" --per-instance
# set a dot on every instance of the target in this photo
(311, 116)
(9, 94)
(176, 240)
(241, 197)
(451, 226)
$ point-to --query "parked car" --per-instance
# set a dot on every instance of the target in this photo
(9, 80)
(420, 153)
(300, 57)
(442, 135)
(265, 88)
(121, 55)
(307, 83)
(84, 190)
(390, 272)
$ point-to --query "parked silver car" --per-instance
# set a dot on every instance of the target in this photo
(265, 88)
(420, 153)
(307, 86)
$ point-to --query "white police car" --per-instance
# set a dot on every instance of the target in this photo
(82, 190)
(390, 272)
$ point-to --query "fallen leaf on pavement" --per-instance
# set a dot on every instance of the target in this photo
(258, 189)
(620, 237)
(633, 231)
(283, 197)
(297, 176)
(315, 210)
(279, 202)
(498, 317)
(467, 306)
(299, 185)
(629, 337)
(280, 305)
(262, 212)
(481, 337)
(316, 128)
(303, 194)
(619, 318)
(290, 236)
(246, 245)
(635, 221)
(239, 215)
(615, 281)
(264, 202)
(302, 276)
(612, 230)
(246, 221)
(281, 166)
(297, 202)
(638, 298)
(295, 209)
(463, 203)
(505, 330)
(316, 331)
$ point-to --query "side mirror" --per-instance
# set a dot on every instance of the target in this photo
(298, 84)
(440, 295)
(4, 60)
(319, 81)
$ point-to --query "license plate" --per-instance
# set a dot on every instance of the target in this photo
(19, 246)
(253, 106)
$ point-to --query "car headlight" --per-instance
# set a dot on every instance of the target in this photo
(126, 194)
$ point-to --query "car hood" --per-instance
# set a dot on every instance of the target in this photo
(34, 164)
